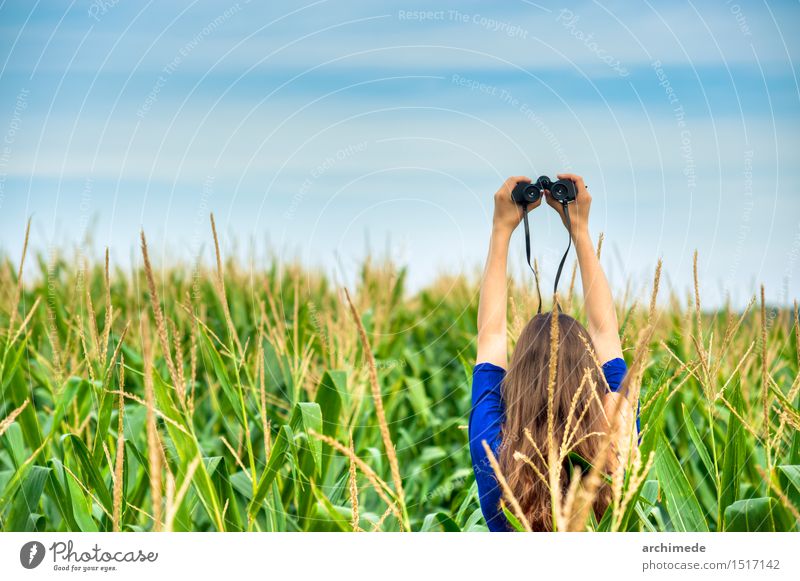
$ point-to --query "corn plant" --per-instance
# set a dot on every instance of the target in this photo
(186, 398)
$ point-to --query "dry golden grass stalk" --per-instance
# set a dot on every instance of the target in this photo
(654, 295)
(743, 359)
(731, 329)
(153, 444)
(697, 309)
(739, 417)
(181, 386)
(766, 400)
(553, 465)
(55, 345)
(353, 487)
(520, 457)
(383, 490)
(600, 244)
(161, 326)
(567, 512)
(690, 367)
(697, 335)
(88, 492)
(155, 410)
(220, 286)
(192, 368)
(529, 436)
(638, 475)
(117, 351)
(551, 379)
(109, 316)
(86, 352)
(567, 440)
(143, 512)
(176, 499)
(120, 454)
(377, 526)
(790, 419)
(631, 387)
(378, 399)
(107, 454)
(27, 319)
(236, 456)
(9, 419)
(784, 403)
(93, 334)
(295, 318)
(18, 290)
(509, 494)
(625, 458)
(263, 399)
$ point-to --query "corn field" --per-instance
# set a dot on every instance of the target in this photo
(182, 397)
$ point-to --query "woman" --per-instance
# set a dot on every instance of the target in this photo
(509, 409)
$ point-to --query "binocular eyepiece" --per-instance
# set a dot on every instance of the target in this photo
(563, 191)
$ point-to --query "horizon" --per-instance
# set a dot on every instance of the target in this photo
(164, 261)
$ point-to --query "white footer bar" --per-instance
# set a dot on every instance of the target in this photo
(417, 557)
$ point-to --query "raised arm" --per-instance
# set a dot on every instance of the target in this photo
(602, 317)
(492, 341)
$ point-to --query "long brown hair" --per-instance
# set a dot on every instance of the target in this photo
(525, 395)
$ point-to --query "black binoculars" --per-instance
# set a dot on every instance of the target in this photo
(563, 191)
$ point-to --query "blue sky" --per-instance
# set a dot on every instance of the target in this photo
(316, 129)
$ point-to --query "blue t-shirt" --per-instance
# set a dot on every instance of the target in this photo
(485, 423)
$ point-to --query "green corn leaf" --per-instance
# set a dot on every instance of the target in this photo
(276, 459)
(757, 515)
(789, 481)
(792, 474)
(81, 506)
(22, 516)
(682, 504)
(702, 451)
(340, 516)
(513, 520)
(214, 362)
(307, 416)
(733, 456)
(93, 478)
(439, 521)
(331, 397)
(70, 392)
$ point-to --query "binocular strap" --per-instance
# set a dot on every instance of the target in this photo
(566, 252)
(563, 258)
(528, 255)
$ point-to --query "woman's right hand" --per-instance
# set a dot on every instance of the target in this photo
(507, 213)
(579, 209)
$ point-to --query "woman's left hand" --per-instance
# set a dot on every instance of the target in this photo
(507, 213)
(579, 209)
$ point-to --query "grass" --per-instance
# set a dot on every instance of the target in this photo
(182, 398)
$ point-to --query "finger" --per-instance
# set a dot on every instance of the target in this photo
(557, 206)
(574, 177)
(514, 180)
